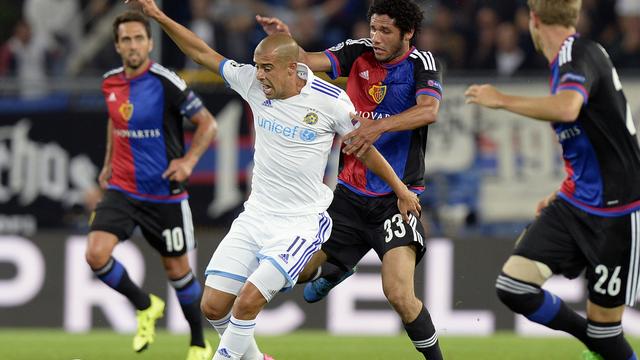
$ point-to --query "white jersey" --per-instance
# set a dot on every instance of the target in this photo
(293, 140)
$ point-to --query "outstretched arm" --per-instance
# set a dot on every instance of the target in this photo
(562, 107)
(187, 41)
(316, 61)
(407, 200)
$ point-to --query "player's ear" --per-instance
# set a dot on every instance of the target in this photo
(150, 44)
(408, 35)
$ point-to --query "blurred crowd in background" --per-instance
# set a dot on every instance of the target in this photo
(52, 38)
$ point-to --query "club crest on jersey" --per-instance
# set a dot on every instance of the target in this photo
(311, 118)
(126, 110)
(377, 92)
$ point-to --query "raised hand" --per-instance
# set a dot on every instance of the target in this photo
(272, 25)
(149, 7)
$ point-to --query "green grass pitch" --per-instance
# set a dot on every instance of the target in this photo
(20, 344)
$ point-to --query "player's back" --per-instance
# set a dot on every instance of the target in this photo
(607, 159)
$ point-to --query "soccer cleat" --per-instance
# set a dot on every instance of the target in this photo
(267, 357)
(147, 323)
(317, 289)
(590, 355)
(200, 353)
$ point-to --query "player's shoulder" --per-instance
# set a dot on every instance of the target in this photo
(112, 72)
(168, 75)
(579, 48)
(424, 60)
(325, 90)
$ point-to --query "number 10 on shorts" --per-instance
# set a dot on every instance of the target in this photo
(174, 239)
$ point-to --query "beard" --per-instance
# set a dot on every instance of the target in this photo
(135, 63)
(393, 52)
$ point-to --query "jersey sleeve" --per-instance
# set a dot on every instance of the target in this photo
(576, 71)
(342, 123)
(427, 74)
(238, 77)
(180, 97)
(344, 54)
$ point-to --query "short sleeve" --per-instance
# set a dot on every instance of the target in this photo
(427, 74)
(576, 72)
(180, 98)
(342, 117)
(344, 54)
(238, 77)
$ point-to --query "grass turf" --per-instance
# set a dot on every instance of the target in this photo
(19, 344)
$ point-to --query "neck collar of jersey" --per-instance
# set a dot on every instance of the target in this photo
(306, 74)
(124, 73)
(555, 59)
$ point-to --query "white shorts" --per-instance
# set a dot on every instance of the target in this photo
(288, 242)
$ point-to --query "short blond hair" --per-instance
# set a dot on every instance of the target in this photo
(557, 12)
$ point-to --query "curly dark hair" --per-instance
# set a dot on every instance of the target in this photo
(406, 13)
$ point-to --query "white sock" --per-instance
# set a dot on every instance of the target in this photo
(236, 339)
(252, 353)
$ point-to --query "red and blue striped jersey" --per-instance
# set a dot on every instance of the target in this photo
(379, 90)
(147, 113)
(600, 149)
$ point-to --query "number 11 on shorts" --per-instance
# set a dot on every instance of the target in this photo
(295, 241)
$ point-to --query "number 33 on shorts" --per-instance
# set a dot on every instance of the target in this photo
(396, 228)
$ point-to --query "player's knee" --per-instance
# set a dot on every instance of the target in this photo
(246, 307)
(522, 298)
(96, 257)
(212, 310)
(399, 298)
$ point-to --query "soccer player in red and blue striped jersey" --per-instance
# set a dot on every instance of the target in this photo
(144, 174)
(593, 221)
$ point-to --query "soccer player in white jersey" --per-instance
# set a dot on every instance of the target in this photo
(296, 117)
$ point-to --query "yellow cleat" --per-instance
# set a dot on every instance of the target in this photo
(200, 353)
(147, 324)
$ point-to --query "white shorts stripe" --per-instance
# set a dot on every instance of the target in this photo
(634, 261)
(187, 225)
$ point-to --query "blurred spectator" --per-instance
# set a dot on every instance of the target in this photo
(59, 24)
(483, 55)
(202, 25)
(23, 56)
(509, 56)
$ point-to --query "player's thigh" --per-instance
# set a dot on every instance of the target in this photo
(114, 214)
(613, 248)
(550, 240)
(347, 244)
(236, 257)
(293, 242)
(398, 270)
(167, 227)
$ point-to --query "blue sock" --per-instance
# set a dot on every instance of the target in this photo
(116, 277)
(189, 292)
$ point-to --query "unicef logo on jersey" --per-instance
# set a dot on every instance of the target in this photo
(308, 135)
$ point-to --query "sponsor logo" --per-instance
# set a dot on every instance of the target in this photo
(112, 97)
(126, 110)
(137, 134)
(224, 353)
(364, 74)
(568, 133)
(377, 92)
(435, 84)
(373, 115)
(572, 77)
(284, 257)
(294, 132)
(311, 118)
(308, 135)
(267, 103)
